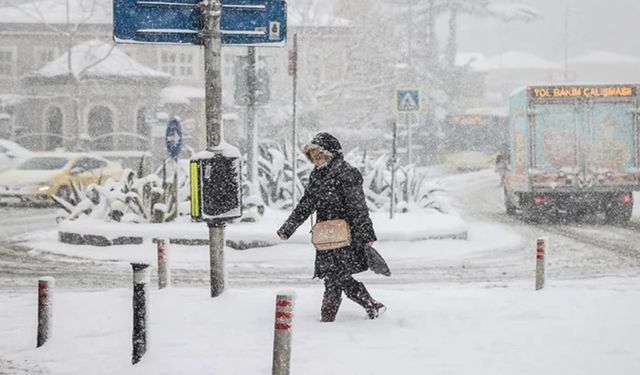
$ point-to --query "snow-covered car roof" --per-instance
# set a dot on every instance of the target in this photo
(70, 156)
(15, 148)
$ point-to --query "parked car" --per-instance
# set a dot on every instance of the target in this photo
(12, 155)
(46, 174)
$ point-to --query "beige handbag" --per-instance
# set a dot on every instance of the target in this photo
(331, 234)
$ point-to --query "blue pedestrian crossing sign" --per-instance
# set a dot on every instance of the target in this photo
(407, 100)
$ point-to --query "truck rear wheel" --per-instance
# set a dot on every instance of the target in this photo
(530, 214)
(618, 212)
(508, 204)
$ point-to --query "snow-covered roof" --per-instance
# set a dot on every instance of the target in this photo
(514, 12)
(181, 94)
(102, 60)
(55, 12)
(469, 58)
(604, 57)
(514, 60)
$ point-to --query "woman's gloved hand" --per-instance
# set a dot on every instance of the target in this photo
(283, 236)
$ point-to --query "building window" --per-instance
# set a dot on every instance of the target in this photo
(44, 55)
(7, 61)
(178, 64)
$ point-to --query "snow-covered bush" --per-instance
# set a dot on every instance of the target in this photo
(149, 199)
(131, 199)
(275, 176)
(412, 188)
(141, 200)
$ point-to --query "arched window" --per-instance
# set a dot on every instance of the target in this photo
(143, 128)
(53, 139)
(100, 127)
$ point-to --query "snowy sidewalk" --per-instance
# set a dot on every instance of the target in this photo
(573, 327)
(291, 257)
(413, 226)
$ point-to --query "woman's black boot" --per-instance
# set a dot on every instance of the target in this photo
(330, 306)
(358, 293)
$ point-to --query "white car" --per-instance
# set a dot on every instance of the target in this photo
(12, 155)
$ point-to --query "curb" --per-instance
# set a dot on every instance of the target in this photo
(101, 241)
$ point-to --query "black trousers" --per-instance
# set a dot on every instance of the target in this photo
(354, 290)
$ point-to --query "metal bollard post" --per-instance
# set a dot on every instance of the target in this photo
(164, 272)
(45, 309)
(139, 337)
(282, 334)
(541, 249)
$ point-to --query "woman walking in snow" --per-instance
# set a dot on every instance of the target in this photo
(335, 192)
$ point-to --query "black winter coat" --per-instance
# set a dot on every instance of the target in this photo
(335, 192)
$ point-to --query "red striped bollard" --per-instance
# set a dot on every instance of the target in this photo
(541, 248)
(164, 272)
(282, 335)
(45, 309)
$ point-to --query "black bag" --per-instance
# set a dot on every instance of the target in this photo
(376, 262)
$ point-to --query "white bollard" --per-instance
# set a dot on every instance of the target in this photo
(542, 244)
(164, 270)
(45, 309)
(282, 335)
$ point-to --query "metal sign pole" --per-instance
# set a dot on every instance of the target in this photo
(409, 120)
(393, 169)
(213, 111)
(176, 202)
(294, 137)
(252, 127)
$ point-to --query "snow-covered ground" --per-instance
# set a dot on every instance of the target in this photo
(415, 225)
(571, 327)
(293, 258)
(455, 306)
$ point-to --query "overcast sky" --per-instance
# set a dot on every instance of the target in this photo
(593, 25)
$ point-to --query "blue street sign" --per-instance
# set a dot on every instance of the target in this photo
(253, 22)
(242, 22)
(173, 138)
(407, 100)
(159, 21)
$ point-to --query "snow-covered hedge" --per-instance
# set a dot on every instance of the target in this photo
(131, 199)
(150, 199)
(412, 189)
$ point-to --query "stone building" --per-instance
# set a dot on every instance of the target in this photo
(97, 98)
(41, 32)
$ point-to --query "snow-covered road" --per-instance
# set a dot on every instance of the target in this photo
(576, 251)
(586, 248)
(20, 266)
(449, 300)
